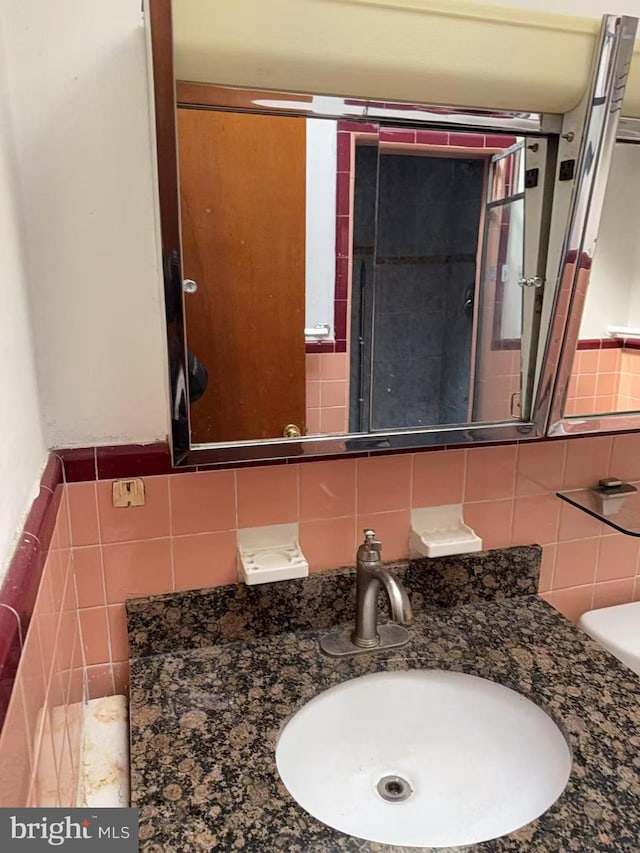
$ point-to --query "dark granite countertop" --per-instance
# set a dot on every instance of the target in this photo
(216, 673)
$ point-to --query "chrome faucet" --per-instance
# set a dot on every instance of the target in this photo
(367, 635)
(370, 573)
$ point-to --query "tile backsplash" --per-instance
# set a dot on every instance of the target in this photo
(185, 535)
(185, 538)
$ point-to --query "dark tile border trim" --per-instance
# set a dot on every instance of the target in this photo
(601, 343)
(86, 464)
(19, 588)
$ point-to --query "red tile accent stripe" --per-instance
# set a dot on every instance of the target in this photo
(601, 343)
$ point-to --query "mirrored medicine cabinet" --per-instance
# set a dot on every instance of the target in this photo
(345, 275)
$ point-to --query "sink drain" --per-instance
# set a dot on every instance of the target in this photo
(394, 789)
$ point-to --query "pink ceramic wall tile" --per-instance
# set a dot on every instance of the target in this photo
(607, 384)
(45, 770)
(625, 457)
(62, 528)
(572, 602)
(588, 360)
(334, 365)
(312, 366)
(576, 524)
(74, 729)
(127, 524)
(66, 642)
(33, 683)
(392, 529)
(312, 395)
(205, 560)
(586, 386)
(536, 519)
(67, 778)
(119, 646)
(58, 717)
(611, 593)
(384, 483)
(328, 489)
(83, 513)
(490, 473)
(87, 569)
(313, 422)
(604, 404)
(328, 542)
(137, 568)
(333, 421)
(438, 478)
(333, 393)
(492, 521)
(267, 495)
(618, 557)
(202, 502)
(588, 460)
(540, 467)
(609, 360)
(95, 635)
(100, 681)
(15, 749)
(121, 677)
(576, 563)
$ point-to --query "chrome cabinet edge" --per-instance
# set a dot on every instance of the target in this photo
(600, 118)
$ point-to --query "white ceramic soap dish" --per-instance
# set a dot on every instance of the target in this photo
(270, 554)
(439, 531)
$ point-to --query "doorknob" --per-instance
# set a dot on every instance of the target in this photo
(189, 285)
(291, 431)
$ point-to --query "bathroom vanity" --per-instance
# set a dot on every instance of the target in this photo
(216, 674)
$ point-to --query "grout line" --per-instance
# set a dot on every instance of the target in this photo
(83, 658)
(104, 589)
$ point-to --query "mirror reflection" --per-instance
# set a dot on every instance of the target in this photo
(345, 277)
(606, 369)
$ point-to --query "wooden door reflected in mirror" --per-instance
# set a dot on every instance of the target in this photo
(351, 278)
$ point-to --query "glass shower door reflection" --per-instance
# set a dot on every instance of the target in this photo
(497, 373)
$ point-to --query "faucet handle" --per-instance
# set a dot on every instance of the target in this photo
(370, 542)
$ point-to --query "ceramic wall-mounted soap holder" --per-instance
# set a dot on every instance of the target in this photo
(439, 531)
(271, 553)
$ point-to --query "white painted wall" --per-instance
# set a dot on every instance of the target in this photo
(321, 222)
(612, 298)
(79, 102)
(22, 445)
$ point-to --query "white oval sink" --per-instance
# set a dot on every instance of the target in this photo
(423, 758)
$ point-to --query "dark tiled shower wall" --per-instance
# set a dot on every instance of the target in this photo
(426, 242)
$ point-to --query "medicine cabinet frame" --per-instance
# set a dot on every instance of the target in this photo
(579, 143)
(571, 299)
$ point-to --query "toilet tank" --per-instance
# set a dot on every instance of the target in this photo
(618, 630)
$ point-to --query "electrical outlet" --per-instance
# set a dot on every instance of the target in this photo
(128, 493)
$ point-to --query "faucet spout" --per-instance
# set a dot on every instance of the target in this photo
(370, 576)
(399, 604)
